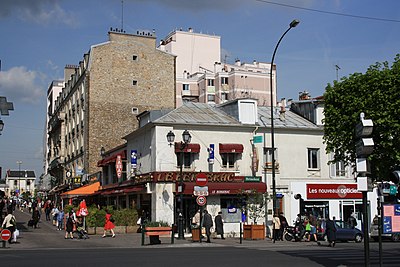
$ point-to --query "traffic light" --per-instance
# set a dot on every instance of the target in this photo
(364, 143)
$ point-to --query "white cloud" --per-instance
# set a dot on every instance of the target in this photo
(21, 84)
(41, 12)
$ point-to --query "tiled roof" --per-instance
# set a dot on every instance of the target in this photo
(20, 174)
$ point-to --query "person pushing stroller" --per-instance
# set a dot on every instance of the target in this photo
(80, 230)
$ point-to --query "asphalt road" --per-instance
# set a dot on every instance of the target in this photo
(47, 247)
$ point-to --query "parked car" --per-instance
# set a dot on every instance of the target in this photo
(374, 234)
(344, 232)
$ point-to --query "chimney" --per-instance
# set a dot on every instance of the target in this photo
(190, 29)
(282, 113)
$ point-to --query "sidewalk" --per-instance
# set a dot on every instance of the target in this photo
(47, 236)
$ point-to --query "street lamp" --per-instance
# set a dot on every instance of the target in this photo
(186, 137)
(293, 24)
(19, 176)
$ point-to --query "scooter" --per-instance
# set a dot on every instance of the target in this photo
(296, 232)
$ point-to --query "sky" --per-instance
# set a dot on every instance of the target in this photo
(39, 37)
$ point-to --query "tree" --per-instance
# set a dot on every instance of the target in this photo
(377, 94)
(253, 203)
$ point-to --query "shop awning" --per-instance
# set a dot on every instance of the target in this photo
(190, 148)
(82, 191)
(111, 158)
(227, 188)
(121, 191)
(230, 148)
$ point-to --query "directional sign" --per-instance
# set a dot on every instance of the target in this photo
(201, 200)
(6, 234)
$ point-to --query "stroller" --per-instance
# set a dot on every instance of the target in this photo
(82, 233)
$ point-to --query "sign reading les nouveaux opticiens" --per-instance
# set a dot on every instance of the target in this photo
(333, 191)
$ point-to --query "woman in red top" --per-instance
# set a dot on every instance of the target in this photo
(109, 225)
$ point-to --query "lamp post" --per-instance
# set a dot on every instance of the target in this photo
(19, 176)
(186, 137)
(293, 24)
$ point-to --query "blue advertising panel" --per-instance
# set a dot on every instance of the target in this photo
(133, 158)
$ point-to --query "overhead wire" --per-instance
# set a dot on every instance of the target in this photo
(329, 12)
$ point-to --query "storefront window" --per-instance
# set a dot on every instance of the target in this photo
(319, 209)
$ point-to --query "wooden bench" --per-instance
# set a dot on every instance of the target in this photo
(155, 232)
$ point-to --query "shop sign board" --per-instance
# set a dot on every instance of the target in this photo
(333, 191)
(252, 179)
(118, 166)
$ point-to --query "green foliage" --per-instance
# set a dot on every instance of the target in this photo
(377, 94)
(68, 208)
(254, 204)
(156, 224)
(124, 217)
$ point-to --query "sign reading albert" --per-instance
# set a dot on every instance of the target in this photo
(333, 191)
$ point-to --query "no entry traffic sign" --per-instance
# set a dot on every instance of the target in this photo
(201, 179)
(201, 200)
(5, 235)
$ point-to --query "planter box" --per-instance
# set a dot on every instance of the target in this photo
(253, 231)
(132, 229)
(91, 230)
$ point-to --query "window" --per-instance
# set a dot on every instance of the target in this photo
(211, 98)
(224, 80)
(224, 96)
(228, 160)
(15, 183)
(187, 159)
(268, 158)
(28, 183)
(210, 82)
(134, 57)
(134, 82)
(313, 158)
(185, 87)
(337, 169)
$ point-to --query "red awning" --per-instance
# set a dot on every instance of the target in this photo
(121, 191)
(227, 188)
(82, 191)
(190, 148)
(111, 158)
(230, 148)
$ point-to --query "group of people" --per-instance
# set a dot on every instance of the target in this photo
(207, 223)
(279, 223)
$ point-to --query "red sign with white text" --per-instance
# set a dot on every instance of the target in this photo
(333, 191)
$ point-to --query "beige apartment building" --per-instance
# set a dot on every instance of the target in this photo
(100, 99)
(202, 77)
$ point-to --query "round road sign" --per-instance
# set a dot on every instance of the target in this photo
(201, 200)
(5, 235)
(201, 179)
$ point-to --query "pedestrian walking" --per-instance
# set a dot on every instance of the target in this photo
(35, 217)
(219, 225)
(207, 223)
(10, 223)
(313, 228)
(276, 226)
(69, 226)
(331, 232)
(109, 224)
(284, 224)
(60, 220)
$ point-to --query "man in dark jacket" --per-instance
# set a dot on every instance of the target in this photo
(207, 223)
(331, 232)
(219, 225)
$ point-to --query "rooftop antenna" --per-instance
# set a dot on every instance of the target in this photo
(337, 72)
(122, 15)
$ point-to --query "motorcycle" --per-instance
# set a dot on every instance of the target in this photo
(296, 232)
